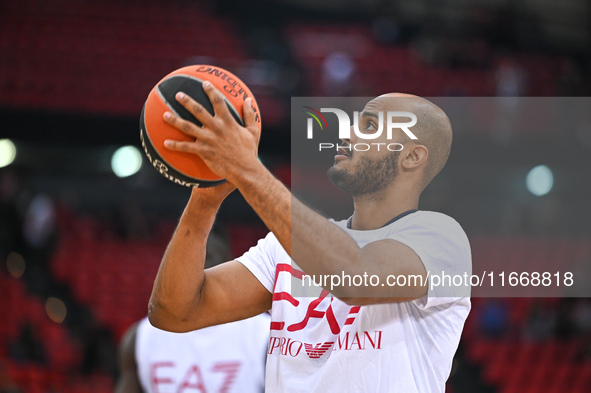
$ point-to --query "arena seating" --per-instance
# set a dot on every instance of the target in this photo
(382, 68)
(104, 57)
(515, 363)
(512, 355)
(108, 274)
(62, 352)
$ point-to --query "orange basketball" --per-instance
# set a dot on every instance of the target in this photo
(184, 168)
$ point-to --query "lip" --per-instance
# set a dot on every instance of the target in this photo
(342, 152)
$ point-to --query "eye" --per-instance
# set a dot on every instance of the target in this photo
(371, 125)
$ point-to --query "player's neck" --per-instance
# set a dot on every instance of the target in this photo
(373, 211)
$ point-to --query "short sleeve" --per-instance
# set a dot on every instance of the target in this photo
(261, 260)
(443, 247)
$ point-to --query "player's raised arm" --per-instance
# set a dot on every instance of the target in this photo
(322, 249)
(186, 297)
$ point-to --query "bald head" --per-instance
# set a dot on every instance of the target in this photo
(433, 128)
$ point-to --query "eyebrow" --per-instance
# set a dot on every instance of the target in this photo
(371, 114)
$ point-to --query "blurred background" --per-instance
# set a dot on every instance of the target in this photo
(84, 220)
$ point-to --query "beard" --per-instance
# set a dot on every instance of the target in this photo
(369, 176)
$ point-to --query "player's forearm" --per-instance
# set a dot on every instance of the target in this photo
(315, 244)
(270, 199)
(176, 292)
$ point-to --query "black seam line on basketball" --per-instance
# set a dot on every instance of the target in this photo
(231, 107)
(153, 151)
(168, 89)
(172, 171)
(167, 104)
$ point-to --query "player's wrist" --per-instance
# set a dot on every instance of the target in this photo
(250, 175)
(203, 204)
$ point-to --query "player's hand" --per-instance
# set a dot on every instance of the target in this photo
(213, 195)
(227, 148)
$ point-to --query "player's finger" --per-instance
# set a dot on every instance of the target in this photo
(217, 100)
(185, 147)
(186, 127)
(250, 119)
(195, 108)
(249, 116)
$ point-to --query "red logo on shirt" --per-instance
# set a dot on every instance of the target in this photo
(314, 352)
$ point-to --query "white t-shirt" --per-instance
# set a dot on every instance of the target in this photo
(224, 358)
(324, 345)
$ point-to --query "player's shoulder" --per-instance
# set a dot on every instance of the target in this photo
(432, 224)
(434, 216)
(270, 241)
(417, 217)
(271, 246)
(268, 245)
(431, 219)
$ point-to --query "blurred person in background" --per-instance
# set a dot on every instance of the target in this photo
(224, 358)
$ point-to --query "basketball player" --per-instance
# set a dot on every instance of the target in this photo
(380, 338)
(224, 358)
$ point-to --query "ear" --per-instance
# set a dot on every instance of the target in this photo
(414, 157)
